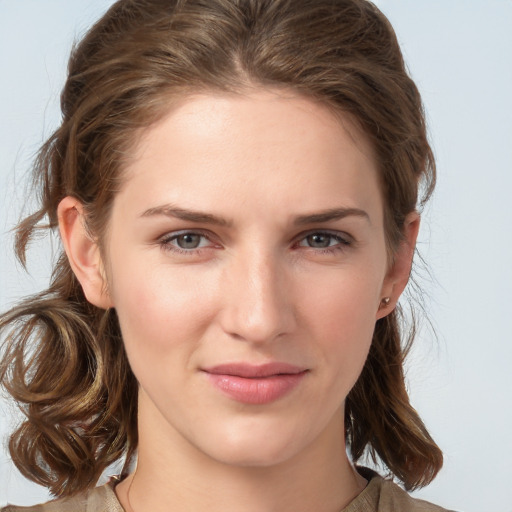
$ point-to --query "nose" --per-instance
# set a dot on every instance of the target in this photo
(257, 298)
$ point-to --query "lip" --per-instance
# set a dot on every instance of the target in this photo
(255, 384)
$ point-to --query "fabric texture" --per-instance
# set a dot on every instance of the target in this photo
(380, 495)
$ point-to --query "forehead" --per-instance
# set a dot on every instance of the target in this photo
(209, 113)
(265, 144)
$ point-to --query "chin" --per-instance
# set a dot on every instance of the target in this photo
(246, 448)
(262, 456)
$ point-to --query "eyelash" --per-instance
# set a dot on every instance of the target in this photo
(343, 242)
(167, 245)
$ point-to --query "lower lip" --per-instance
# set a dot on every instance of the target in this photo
(258, 391)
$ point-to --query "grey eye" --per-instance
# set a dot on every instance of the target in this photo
(319, 240)
(188, 241)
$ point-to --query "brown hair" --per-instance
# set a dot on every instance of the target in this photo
(63, 360)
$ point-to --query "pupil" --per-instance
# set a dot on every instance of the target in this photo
(188, 241)
(319, 240)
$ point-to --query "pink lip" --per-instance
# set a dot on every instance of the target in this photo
(255, 384)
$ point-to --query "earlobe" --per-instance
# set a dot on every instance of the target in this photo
(400, 269)
(83, 252)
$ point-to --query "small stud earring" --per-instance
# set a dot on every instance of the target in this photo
(385, 302)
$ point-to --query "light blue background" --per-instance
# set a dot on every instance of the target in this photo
(460, 54)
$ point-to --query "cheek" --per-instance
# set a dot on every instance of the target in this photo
(159, 309)
(340, 309)
(344, 299)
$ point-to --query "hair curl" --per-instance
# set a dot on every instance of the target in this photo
(64, 361)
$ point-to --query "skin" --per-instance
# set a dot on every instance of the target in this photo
(259, 287)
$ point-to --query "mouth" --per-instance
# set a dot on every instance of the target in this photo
(255, 384)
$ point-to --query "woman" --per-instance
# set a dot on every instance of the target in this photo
(235, 184)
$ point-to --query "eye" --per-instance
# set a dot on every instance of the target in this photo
(319, 240)
(325, 240)
(188, 241)
(185, 242)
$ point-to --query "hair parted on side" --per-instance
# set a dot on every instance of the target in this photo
(63, 360)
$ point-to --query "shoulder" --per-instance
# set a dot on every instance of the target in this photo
(395, 499)
(381, 495)
(99, 499)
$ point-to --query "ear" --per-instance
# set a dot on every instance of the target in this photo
(83, 252)
(398, 274)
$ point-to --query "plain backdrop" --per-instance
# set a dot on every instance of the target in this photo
(460, 54)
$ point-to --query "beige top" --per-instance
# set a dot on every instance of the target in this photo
(380, 495)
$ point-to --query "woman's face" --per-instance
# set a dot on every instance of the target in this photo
(246, 263)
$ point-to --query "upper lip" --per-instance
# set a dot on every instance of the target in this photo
(253, 371)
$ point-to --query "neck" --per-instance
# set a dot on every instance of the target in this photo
(173, 474)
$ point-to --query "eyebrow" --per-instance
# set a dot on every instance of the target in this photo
(188, 215)
(328, 215)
